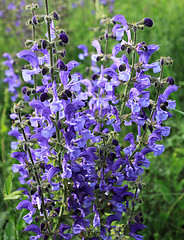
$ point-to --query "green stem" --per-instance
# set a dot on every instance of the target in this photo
(58, 140)
(131, 76)
(34, 38)
(49, 35)
(106, 47)
(36, 177)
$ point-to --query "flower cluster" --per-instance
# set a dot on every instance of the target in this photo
(11, 78)
(81, 174)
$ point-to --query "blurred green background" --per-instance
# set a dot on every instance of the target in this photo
(163, 197)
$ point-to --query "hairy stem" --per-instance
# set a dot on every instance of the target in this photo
(131, 76)
(36, 177)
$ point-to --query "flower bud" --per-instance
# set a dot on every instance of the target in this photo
(68, 93)
(170, 80)
(64, 96)
(44, 44)
(129, 50)
(24, 90)
(45, 237)
(94, 77)
(44, 71)
(112, 156)
(64, 38)
(60, 65)
(115, 142)
(34, 20)
(51, 70)
(44, 96)
(122, 67)
(42, 226)
(123, 47)
(148, 22)
(56, 16)
(28, 43)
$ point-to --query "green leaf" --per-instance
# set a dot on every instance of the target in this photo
(8, 184)
(176, 110)
(14, 195)
(20, 222)
(9, 233)
(3, 218)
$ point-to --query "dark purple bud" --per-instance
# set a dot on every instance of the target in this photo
(57, 210)
(44, 71)
(150, 127)
(150, 107)
(51, 71)
(138, 69)
(129, 50)
(54, 51)
(114, 22)
(69, 76)
(42, 166)
(106, 36)
(148, 22)
(68, 93)
(59, 125)
(34, 20)
(136, 218)
(123, 47)
(32, 191)
(44, 96)
(28, 92)
(60, 65)
(24, 90)
(98, 58)
(140, 213)
(42, 226)
(122, 67)
(144, 127)
(63, 53)
(44, 44)
(94, 77)
(64, 96)
(64, 38)
(162, 62)
(115, 142)
(112, 156)
(39, 191)
(163, 107)
(37, 219)
(170, 80)
(54, 135)
(60, 43)
(45, 237)
(55, 16)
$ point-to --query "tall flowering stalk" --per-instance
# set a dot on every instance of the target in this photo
(83, 182)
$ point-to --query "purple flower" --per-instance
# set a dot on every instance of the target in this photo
(148, 22)
(96, 219)
(85, 50)
(36, 229)
(33, 60)
(27, 205)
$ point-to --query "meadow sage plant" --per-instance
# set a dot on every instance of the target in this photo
(83, 176)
